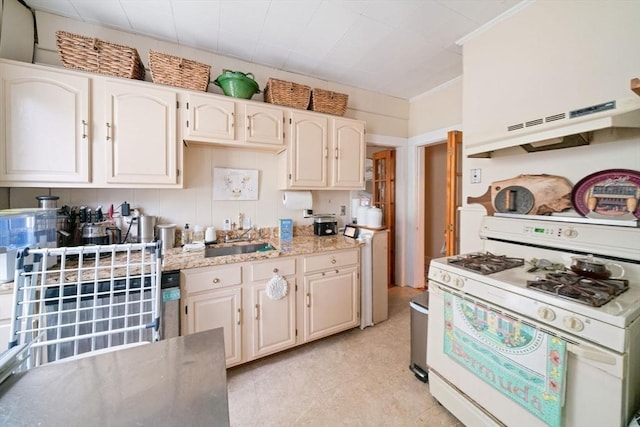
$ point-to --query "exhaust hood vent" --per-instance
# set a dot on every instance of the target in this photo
(562, 130)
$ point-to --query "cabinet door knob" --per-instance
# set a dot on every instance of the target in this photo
(108, 131)
(275, 270)
(257, 311)
(308, 300)
(333, 261)
(238, 317)
(216, 280)
(84, 129)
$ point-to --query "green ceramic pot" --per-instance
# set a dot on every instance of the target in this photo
(237, 84)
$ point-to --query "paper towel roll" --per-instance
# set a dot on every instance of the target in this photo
(297, 200)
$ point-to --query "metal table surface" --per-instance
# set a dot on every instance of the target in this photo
(179, 381)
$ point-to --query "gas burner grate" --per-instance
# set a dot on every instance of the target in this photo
(486, 263)
(569, 285)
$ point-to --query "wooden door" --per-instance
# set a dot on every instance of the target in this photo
(454, 191)
(384, 197)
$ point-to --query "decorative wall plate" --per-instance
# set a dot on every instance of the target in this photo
(611, 193)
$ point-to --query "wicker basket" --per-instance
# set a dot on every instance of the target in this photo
(175, 71)
(325, 101)
(285, 93)
(92, 54)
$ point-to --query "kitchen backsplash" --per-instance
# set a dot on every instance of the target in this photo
(194, 204)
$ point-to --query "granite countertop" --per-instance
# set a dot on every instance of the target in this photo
(177, 259)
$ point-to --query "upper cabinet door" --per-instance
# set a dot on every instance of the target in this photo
(210, 119)
(348, 154)
(140, 134)
(44, 126)
(308, 151)
(264, 124)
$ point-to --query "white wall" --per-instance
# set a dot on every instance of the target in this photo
(544, 59)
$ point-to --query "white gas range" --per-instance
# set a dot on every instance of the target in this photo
(501, 352)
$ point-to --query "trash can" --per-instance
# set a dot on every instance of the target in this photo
(419, 306)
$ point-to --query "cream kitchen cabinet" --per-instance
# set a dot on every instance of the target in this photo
(331, 293)
(213, 299)
(44, 126)
(64, 128)
(209, 119)
(218, 120)
(140, 134)
(322, 153)
(264, 125)
(348, 151)
(272, 323)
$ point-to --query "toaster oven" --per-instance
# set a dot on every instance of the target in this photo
(325, 225)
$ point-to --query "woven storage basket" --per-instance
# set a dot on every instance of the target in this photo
(98, 56)
(325, 101)
(285, 93)
(175, 71)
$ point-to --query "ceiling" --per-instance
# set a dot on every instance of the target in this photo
(396, 47)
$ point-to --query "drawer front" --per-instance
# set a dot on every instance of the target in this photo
(211, 278)
(330, 260)
(265, 270)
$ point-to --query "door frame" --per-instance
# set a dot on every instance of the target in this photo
(418, 145)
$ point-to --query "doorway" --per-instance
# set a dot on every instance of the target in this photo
(435, 202)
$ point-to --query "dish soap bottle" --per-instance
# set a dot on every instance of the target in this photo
(187, 236)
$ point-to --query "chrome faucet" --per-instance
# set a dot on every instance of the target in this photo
(244, 237)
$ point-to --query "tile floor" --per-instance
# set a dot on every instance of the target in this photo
(356, 378)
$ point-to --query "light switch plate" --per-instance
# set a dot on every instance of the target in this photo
(475, 176)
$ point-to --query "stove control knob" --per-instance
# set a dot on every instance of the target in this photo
(573, 323)
(571, 232)
(546, 314)
(459, 282)
(446, 278)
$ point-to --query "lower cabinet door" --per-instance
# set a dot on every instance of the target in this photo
(215, 309)
(273, 324)
(332, 300)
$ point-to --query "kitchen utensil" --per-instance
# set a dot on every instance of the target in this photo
(237, 84)
(325, 225)
(551, 193)
(100, 234)
(595, 268)
(514, 199)
(146, 228)
(613, 193)
(374, 217)
(47, 202)
(167, 234)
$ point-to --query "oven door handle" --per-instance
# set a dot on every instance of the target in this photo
(591, 354)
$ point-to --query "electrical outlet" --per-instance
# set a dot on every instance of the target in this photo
(475, 176)
(343, 210)
(307, 213)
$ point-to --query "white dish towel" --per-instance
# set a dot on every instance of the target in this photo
(277, 287)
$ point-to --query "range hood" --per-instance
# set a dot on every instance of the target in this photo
(561, 130)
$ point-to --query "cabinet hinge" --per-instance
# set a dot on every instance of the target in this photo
(187, 124)
(296, 332)
(186, 309)
(296, 288)
(289, 176)
(177, 105)
(187, 105)
(177, 172)
(290, 121)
